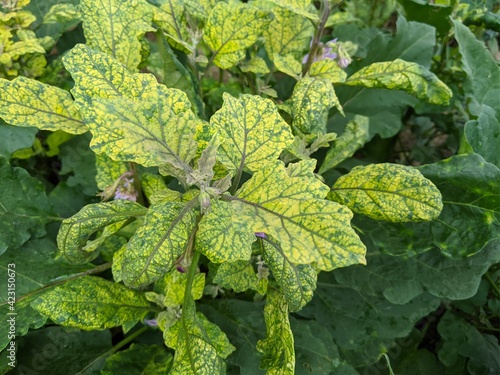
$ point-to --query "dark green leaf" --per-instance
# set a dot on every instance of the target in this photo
(139, 360)
(483, 135)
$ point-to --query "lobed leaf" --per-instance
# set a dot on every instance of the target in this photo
(115, 26)
(92, 303)
(403, 75)
(230, 29)
(29, 103)
(160, 241)
(76, 230)
(388, 192)
(278, 354)
(483, 135)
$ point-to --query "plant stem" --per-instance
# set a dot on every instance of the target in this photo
(493, 284)
(317, 36)
(137, 182)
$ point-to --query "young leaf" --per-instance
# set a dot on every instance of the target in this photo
(239, 276)
(354, 137)
(278, 354)
(155, 247)
(200, 346)
(254, 132)
(173, 286)
(26, 102)
(115, 26)
(388, 192)
(292, 210)
(288, 65)
(403, 75)
(329, 70)
(76, 230)
(230, 29)
(92, 303)
(311, 100)
(297, 282)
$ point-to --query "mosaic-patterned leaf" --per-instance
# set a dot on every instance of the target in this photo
(170, 17)
(220, 237)
(328, 69)
(76, 230)
(403, 75)
(29, 103)
(108, 170)
(297, 282)
(230, 29)
(389, 192)
(155, 247)
(354, 137)
(311, 100)
(238, 276)
(92, 303)
(253, 131)
(155, 189)
(292, 210)
(115, 26)
(199, 9)
(173, 287)
(298, 7)
(288, 65)
(256, 65)
(200, 346)
(278, 354)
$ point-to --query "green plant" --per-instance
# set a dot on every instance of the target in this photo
(218, 200)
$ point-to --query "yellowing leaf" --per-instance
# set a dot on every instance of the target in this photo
(221, 238)
(230, 29)
(328, 69)
(403, 75)
(239, 276)
(296, 282)
(26, 102)
(288, 65)
(115, 26)
(292, 210)
(154, 131)
(200, 346)
(253, 132)
(256, 65)
(92, 303)
(173, 286)
(354, 137)
(388, 192)
(108, 171)
(155, 247)
(287, 34)
(170, 17)
(300, 7)
(311, 100)
(155, 189)
(76, 230)
(278, 354)
(199, 9)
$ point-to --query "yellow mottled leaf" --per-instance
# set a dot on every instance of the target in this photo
(238, 276)
(289, 206)
(199, 9)
(287, 34)
(388, 192)
(300, 7)
(311, 100)
(354, 137)
(403, 75)
(155, 247)
(155, 189)
(26, 102)
(173, 287)
(108, 171)
(115, 26)
(278, 354)
(253, 132)
(61, 13)
(256, 65)
(230, 29)
(288, 65)
(169, 15)
(328, 69)
(92, 303)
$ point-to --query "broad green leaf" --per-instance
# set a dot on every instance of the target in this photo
(294, 212)
(24, 207)
(239, 276)
(200, 346)
(288, 65)
(299, 7)
(328, 69)
(139, 359)
(29, 103)
(128, 130)
(220, 237)
(297, 282)
(403, 75)
(76, 230)
(278, 354)
(482, 84)
(230, 29)
(155, 247)
(430, 13)
(173, 286)
(92, 303)
(311, 100)
(470, 216)
(388, 192)
(355, 135)
(14, 138)
(115, 26)
(287, 34)
(483, 135)
(170, 17)
(253, 131)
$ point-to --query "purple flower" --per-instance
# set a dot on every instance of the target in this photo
(331, 50)
(151, 322)
(126, 189)
(260, 234)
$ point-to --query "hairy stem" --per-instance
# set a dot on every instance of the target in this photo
(317, 36)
